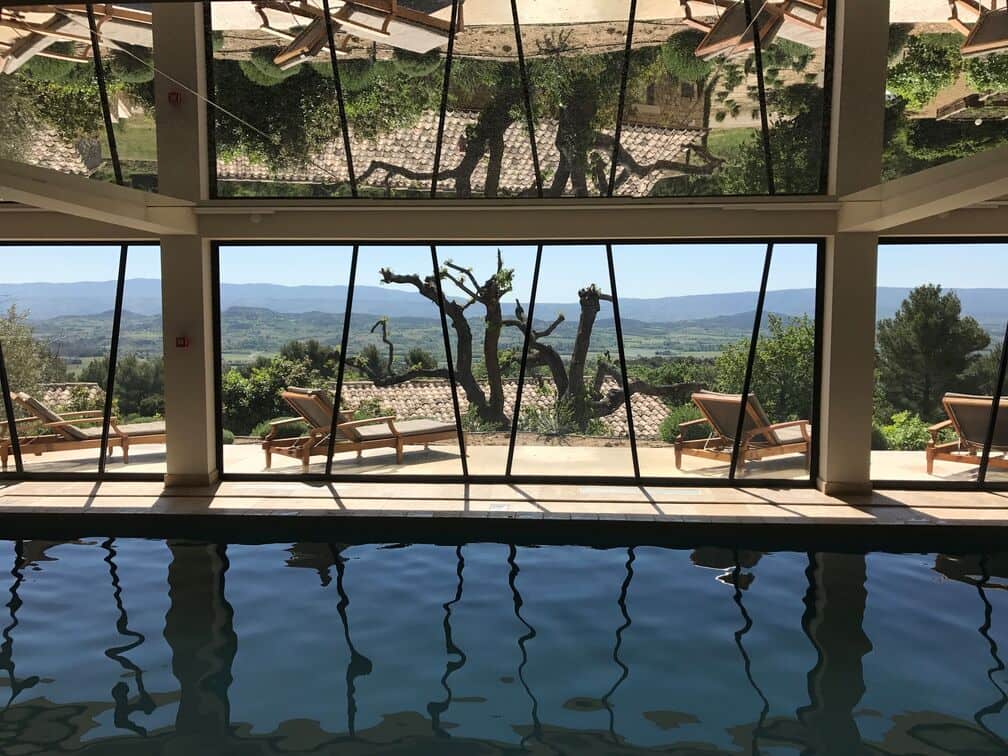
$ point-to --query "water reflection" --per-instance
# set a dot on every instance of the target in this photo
(846, 703)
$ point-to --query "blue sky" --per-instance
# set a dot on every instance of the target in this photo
(647, 271)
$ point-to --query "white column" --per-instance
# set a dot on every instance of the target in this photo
(179, 53)
(857, 120)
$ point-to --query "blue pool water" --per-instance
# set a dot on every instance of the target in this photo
(139, 646)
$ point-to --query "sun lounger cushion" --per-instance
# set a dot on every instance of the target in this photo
(404, 427)
(133, 430)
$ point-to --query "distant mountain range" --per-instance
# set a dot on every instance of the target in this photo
(143, 297)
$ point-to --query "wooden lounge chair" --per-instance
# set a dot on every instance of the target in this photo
(989, 33)
(315, 408)
(728, 35)
(760, 437)
(66, 432)
(969, 416)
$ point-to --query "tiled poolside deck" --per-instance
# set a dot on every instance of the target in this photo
(700, 505)
(567, 460)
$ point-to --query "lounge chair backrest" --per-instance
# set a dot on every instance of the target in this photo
(729, 35)
(46, 415)
(722, 411)
(970, 415)
(989, 34)
(314, 405)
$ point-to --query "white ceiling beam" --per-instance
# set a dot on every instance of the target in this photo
(928, 193)
(420, 223)
(95, 200)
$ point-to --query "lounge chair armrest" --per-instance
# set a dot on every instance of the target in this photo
(367, 421)
(937, 428)
(287, 421)
(750, 434)
(82, 414)
(691, 423)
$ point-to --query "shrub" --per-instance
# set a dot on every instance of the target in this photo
(41, 68)
(371, 408)
(987, 74)
(878, 438)
(135, 65)
(471, 421)
(678, 55)
(227, 437)
(906, 432)
(260, 68)
(682, 413)
(930, 63)
(291, 430)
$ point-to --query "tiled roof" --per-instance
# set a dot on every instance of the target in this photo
(49, 150)
(432, 399)
(412, 149)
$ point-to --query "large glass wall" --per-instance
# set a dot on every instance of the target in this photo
(947, 83)
(939, 352)
(51, 111)
(514, 362)
(59, 334)
(518, 99)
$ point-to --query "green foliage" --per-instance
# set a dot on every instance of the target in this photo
(260, 68)
(418, 65)
(898, 36)
(930, 63)
(373, 360)
(288, 430)
(679, 59)
(669, 428)
(987, 74)
(249, 397)
(783, 372)
(906, 432)
(139, 383)
(30, 361)
(227, 437)
(473, 423)
(925, 349)
(420, 358)
(41, 68)
(134, 65)
(557, 418)
(371, 408)
(663, 371)
(878, 438)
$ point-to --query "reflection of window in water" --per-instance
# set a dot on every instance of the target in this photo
(649, 95)
(687, 90)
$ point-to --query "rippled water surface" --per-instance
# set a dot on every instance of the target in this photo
(138, 646)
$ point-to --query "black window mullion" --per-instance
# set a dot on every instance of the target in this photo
(344, 342)
(9, 409)
(622, 360)
(113, 358)
(103, 96)
(622, 101)
(753, 24)
(995, 406)
(343, 118)
(530, 119)
(747, 379)
(448, 358)
(524, 360)
(441, 119)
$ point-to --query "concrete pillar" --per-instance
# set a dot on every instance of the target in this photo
(857, 121)
(180, 58)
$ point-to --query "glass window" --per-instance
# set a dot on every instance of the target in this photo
(50, 109)
(573, 415)
(281, 326)
(938, 341)
(947, 84)
(56, 330)
(396, 390)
